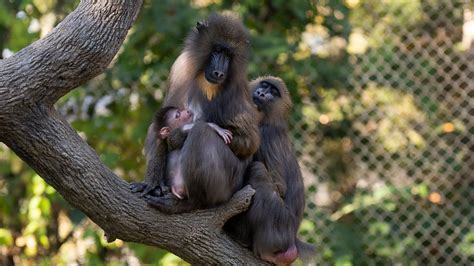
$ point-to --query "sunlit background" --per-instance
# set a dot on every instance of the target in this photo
(382, 126)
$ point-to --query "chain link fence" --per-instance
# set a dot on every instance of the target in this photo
(388, 162)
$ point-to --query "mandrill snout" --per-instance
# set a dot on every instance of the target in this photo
(215, 76)
(218, 75)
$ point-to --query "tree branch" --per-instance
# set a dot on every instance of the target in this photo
(78, 49)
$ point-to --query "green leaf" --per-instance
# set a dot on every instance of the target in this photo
(6, 238)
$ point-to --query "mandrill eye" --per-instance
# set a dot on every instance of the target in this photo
(275, 92)
(178, 114)
(264, 84)
(270, 88)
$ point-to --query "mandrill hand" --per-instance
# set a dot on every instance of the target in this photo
(169, 203)
(225, 134)
(145, 189)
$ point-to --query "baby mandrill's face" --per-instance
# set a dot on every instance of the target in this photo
(179, 118)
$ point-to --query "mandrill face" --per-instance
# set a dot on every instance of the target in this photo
(179, 117)
(265, 93)
(218, 65)
(272, 99)
(217, 50)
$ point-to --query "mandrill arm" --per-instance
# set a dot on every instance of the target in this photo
(246, 135)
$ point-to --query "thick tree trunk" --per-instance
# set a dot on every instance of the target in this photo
(31, 81)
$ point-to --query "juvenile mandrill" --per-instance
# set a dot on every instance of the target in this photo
(271, 223)
(171, 125)
(210, 79)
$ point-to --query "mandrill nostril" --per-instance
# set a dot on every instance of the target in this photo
(218, 74)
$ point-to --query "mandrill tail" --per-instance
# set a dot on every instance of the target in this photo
(306, 251)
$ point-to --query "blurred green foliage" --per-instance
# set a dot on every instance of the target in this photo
(313, 46)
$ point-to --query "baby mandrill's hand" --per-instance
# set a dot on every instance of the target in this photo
(225, 134)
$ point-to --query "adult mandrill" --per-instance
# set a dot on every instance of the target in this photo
(209, 78)
(271, 223)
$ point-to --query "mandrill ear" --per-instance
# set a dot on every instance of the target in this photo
(164, 132)
(200, 26)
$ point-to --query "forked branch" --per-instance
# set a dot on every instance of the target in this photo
(31, 81)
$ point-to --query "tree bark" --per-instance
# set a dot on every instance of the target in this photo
(32, 80)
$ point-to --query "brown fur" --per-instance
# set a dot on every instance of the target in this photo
(271, 223)
(213, 171)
